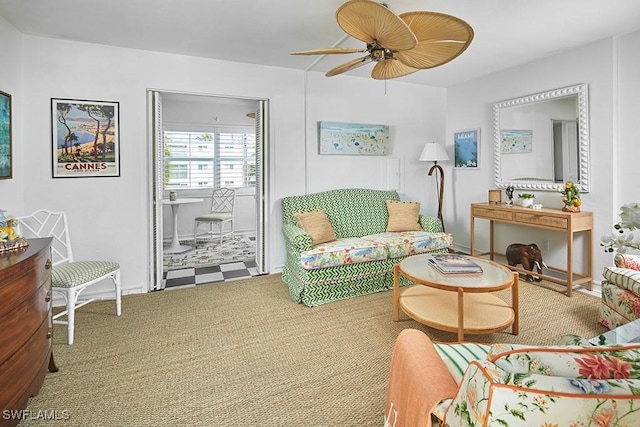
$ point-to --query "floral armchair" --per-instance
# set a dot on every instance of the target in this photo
(620, 291)
(468, 384)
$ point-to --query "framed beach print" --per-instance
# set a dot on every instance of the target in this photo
(466, 147)
(514, 141)
(353, 139)
(5, 136)
(85, 138)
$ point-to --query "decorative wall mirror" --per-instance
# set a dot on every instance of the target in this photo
(542, 140)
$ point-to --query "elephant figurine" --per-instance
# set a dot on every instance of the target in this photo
(527, 255)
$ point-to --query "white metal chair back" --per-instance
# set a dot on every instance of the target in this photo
(44, 223)
(223, 200)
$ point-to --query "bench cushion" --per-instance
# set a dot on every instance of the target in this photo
(411, 242)
(342, 251)
(72, 274)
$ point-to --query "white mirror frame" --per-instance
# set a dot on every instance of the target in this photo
(583, 137)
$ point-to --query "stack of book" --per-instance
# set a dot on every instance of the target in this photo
(454, 263)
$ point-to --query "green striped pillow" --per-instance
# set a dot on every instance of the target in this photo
(457, 357)
(623, 277)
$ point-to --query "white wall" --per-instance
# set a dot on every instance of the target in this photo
(109, 216)
(613, 94)
(627, 110)
(415, 115)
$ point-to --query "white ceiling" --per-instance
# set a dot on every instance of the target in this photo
(507, 32)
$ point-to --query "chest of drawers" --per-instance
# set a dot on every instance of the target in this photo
(25, 326)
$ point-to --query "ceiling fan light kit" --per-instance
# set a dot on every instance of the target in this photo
(398, 44)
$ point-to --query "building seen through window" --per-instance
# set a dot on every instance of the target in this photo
(202, 160)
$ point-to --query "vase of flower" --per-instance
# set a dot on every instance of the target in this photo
(526, 199)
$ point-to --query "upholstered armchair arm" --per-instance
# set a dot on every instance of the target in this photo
(430, 224)
(296, 238)
(418, 381)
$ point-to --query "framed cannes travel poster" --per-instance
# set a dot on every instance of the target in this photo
(466, 147)
(85, 136)
(5, 136)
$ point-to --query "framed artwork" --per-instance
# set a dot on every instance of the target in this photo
(85, 138)
(353, 139)
(466, 148)
(6, 162)
(513, 141)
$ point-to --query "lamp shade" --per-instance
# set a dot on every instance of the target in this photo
(433, 152)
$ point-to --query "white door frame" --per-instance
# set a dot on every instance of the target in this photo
(156, 181)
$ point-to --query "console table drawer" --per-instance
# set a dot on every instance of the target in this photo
(543, 220)
(493, 214)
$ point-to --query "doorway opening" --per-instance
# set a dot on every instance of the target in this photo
(200, 143)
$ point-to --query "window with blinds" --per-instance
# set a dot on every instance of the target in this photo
(204, 160)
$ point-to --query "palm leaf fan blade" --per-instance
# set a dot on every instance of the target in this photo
(441, 38)
(369, 21)
(391, 69)
(329, 50)
(347, 66)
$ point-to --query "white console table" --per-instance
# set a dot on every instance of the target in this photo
(568, 223)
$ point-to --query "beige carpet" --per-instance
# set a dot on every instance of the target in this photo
(243, 354)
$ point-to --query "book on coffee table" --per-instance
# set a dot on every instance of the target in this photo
(454, 263)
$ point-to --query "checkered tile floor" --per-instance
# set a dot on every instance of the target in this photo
(202, 275)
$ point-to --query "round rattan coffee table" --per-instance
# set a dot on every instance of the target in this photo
(460, 303)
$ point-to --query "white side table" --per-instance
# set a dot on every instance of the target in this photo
(175, 247)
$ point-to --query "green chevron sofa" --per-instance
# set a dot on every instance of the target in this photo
(358, 257)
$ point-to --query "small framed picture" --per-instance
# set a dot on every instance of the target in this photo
(85, 138)
(466, 146)
(5, 136)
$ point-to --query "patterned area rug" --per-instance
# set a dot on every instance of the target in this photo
(211, 252)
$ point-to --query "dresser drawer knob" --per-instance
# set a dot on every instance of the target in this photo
(49, 334)
(47, 265)
(47, 298)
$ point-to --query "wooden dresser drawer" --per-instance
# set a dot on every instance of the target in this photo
(493, 214)
(542, 220)
(18, 324)
(23, 285)
(32, 358)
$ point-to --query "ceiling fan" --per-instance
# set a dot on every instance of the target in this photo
(399, 44)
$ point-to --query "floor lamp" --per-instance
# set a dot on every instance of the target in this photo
(434, 152)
